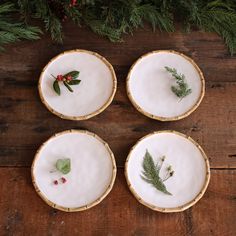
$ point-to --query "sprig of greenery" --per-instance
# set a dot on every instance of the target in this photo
(10, 31)
(123, 16)
(112, 19)
(68, 79)
(40, 9)
(182, 89)
(212, 16)
(151, 173)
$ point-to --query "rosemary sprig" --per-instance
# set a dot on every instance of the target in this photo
(68, 79)
(182, 89)
(151, 173)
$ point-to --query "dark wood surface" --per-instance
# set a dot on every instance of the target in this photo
(25, 123)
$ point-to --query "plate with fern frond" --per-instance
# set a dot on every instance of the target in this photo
(167, 171)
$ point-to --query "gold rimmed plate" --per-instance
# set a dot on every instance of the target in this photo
(149, 85)
(89, 98)
(91, 176)
(183, 157)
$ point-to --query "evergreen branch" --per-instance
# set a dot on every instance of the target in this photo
(122, 16)
(212, 16)
(5, 8)
(182, 89)
(112, 19)
(53, 25)
(10, 31)
(151, 173)
(41, 9)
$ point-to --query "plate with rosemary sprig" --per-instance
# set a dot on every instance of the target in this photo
(77, 84)
(165, 85)
(167, 171)
(73, 170)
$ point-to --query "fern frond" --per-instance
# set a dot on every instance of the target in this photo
(150, 174)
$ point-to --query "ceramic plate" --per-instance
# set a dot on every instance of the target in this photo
(187, 160)
(149, 85)
(94, 93)
(92, 174)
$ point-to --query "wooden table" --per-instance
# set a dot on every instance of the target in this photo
(25, 123)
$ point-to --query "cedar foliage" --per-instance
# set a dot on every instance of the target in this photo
(182, 89)
(12, 30)
(112, 19)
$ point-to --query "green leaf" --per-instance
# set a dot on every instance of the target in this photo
(68, 86)
(150, 174)
(56, 87)
(63, 165)
(74, 74)
(74, 82)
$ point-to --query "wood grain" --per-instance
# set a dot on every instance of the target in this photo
(23, 212)
(25, 123)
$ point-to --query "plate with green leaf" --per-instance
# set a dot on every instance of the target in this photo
(77, 84)
(73, 170)
(165, 85)
(167, 171)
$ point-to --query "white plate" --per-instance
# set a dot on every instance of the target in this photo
(149, 85)
(190, 165)
(92, 174)
(94, 93)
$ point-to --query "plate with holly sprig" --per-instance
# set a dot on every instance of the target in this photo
(77, 84)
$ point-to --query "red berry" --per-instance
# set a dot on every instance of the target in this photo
(69, 78)
(55, 182)
(73, 2)
(63, 180)
(60, 77)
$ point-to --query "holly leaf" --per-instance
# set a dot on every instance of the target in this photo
(56, 87)
(74, 74)
(63, 165)
(74, 82)
(68, 87)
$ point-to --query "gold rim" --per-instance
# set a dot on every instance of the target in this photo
(174, 209)
(161, 118)
(85, 117)
(85, 207)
